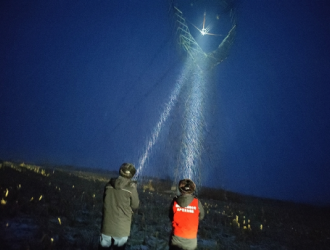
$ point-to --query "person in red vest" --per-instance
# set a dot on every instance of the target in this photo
(185, 213)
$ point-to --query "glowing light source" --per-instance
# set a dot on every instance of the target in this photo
(205, 31)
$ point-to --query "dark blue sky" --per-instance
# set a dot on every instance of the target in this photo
(84, 82)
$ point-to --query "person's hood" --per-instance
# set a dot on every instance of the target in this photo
(119, 182)
(185, 200)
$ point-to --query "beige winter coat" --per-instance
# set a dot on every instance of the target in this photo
(120, 197)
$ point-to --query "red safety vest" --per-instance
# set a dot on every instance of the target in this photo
(185, 220)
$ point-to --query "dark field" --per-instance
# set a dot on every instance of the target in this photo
(60, 208)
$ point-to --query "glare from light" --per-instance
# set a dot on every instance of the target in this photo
(192, 143)
(163, 118)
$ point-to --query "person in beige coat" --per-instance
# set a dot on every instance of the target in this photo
(119, 199)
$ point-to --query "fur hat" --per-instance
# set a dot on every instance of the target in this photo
(187, 186)
(127, 170)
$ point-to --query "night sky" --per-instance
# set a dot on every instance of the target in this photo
(83, 83)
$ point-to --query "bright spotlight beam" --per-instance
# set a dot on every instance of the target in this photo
(162, 120)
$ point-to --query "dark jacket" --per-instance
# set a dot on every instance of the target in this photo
(120, 197)
(183, 201)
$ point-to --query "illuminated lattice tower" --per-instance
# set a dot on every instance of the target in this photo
(188, 112)
(204, 61)
(187, 42)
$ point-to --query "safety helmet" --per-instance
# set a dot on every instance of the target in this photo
(187, 186)
(127, 170)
